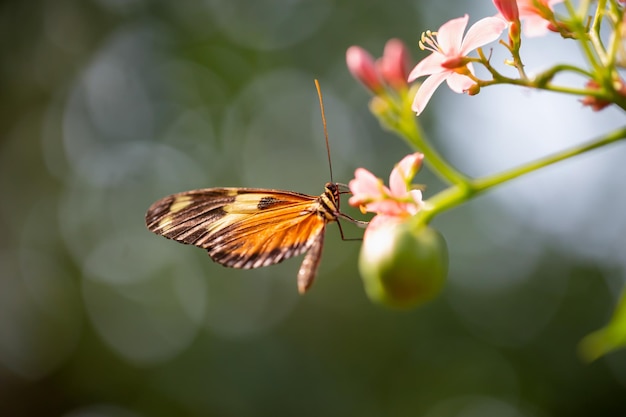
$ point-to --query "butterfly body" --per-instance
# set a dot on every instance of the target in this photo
(250, 227)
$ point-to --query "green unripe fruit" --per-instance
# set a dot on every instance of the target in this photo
(403, 268)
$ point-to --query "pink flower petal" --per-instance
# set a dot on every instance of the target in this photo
(361, 65)
(527, 7)
(450, 35)
(427, 66)
(482, 32)
(356, 201)
(411, 163)
(394, 64)
(403, 174)
(426, 90)
(459, 83)
(535, 26)
(364, 182)
(416, 195)
(365, 187)
(388, 207)
(397, 183)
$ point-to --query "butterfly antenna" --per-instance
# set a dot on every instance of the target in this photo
(319, 94)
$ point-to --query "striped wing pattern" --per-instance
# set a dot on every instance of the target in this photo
(244, 227)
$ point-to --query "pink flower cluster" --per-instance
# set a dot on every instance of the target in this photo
(449, 59)
(449, 62)
(449, 47)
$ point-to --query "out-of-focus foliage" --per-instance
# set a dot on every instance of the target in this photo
(608, 338)
(108, 105)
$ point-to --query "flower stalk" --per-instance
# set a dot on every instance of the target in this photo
(458, 194)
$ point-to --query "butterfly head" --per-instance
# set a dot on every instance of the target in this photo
(332, 192)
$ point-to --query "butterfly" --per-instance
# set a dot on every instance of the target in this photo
(253, 227)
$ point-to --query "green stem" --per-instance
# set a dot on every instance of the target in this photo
(596, 25)
(615, 40)
(410, 130)
(542, 82)
(550, 73)
(596, 55)
(458, 194)
(406, 126)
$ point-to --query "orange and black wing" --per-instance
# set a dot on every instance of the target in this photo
(241, 227)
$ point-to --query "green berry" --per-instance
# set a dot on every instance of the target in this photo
(403, 268)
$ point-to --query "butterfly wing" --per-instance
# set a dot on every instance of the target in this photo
(240, 227)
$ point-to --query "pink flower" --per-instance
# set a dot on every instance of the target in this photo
(398, 201)
(537, 16)
(448, 60)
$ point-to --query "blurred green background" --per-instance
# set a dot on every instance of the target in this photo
(108, 105)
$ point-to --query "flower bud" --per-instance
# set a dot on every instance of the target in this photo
(508, 9)
(362, 67)
(379, 106)
(595, 103)
(515, 34)
(402, 268)
(394, 64)
(473, 90)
